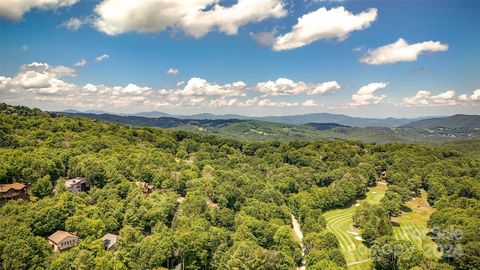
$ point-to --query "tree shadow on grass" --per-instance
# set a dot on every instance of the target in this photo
(395, 224)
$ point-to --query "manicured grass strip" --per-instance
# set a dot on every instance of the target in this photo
(339, 222)
(413, 226)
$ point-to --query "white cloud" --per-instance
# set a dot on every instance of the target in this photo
(74, 24)
(90, 88)
(223, 102)
(401, 51)
(269, 103)
(336, 23)
(14, 9)
(180, 83)
(24, 48)
(325, 88)
(172, 71)
(47, 84)
(40, 78)
(309, 103)
(475, 97)
(196, 17)
(287, 87)
(200, 87)
(425, 98)
(366, 94)
(102, 57)
(80, 63)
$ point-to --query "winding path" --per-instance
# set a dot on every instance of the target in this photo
(299, 234)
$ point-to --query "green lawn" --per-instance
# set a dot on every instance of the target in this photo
(339, 222)
(412, 226)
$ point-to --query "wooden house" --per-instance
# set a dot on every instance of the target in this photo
(61, 240)
(13, 191)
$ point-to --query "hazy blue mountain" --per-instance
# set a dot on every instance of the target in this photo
(299, 119)
(454, 121)
(161, 122)
(71, 111)
(212, 116)
(288, 119)
(323, 126)
(258, 130)
(338, 119)
(153, 114)
(96, 112)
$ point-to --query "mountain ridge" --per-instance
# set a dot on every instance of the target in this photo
(453, 121)
(300, 119)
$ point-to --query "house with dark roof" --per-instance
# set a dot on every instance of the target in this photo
(110, 240)
(13, 191)
(61, 240)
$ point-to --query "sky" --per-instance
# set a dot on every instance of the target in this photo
(250, 57)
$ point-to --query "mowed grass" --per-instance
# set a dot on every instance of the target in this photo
(339, 222)
(412, 226)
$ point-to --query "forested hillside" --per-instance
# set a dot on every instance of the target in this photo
(454, 121)
(219, 203)
(255, 130)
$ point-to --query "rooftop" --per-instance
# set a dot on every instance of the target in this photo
(75, 181)
(7, 187)
(110, 240)
(58, 236)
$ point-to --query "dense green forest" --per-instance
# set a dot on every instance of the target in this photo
(220, 203)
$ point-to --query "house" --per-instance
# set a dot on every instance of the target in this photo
(146, 187)
(61, 240)
(77, 184)
(110, 240)
(12, 191)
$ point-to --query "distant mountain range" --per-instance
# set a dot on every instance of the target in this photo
(454, 121)
(253, 129)
(290, 119)
(161, 122)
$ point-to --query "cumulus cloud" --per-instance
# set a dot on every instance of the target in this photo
(475, 97)
(14, 9)
(39, 78)
(324, 88)
(48, 84)
(425, 98)
(336, 23)
(401, 51)
(309, 103)
(269, 103)
(366, 94)
(287, 87)
(200, 87)
(102, 57)
(80, 63)
(172, 71)
(196, 17)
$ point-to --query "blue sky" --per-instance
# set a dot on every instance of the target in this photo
(436, 70)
